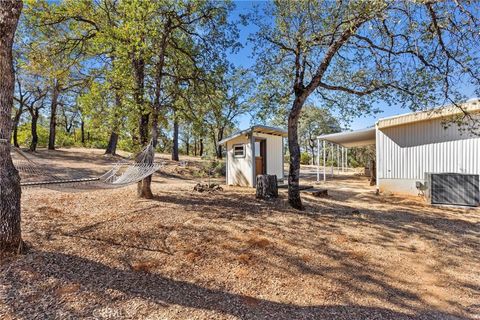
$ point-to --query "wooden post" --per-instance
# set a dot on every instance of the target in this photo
(267, 187)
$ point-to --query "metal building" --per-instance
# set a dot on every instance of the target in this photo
(254, 151)
(412, 147)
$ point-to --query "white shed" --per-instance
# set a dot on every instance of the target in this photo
(254, 151)
(411, 147)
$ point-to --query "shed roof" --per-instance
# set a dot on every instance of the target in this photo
(257, 128)
(349, 139)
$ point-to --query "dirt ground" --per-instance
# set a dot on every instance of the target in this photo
(226, 255)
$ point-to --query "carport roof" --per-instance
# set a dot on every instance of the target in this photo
(349, 139)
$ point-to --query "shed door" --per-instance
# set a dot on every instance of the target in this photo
(261, 157)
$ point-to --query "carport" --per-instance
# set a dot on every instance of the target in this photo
(341, 141)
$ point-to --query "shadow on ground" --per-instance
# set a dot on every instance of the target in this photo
(102, 280)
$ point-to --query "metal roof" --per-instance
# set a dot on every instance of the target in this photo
(349, 139)
(257, 128)
(436, 113)
(365, 137)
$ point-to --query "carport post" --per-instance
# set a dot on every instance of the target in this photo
(343, 159)
(333, 158)
(338, 159)
(346, 159)
(324, 162)
(318, 160)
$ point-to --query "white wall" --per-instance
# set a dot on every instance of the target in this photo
(274, 154)
(405, 153)
(239, 170)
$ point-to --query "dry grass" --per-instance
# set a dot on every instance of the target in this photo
(67, 289)
(145, 266)
(185, 255)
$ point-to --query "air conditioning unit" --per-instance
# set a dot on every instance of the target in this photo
(453, 189)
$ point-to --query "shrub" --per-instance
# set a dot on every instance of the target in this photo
(353, 163)
(25, 135)
(213, 169)
(64, 139)
(305, 158)
(126, 145)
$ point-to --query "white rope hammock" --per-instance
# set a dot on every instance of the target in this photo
(123, 173)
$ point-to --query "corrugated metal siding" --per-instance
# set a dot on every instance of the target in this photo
(408, 151)
(442, 112)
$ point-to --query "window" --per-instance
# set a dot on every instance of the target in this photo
(238, 150)
(257, 149)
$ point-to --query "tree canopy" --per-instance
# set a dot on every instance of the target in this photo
(351, 54)
(122, 73)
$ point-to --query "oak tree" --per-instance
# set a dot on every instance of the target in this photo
(10, 192)
(351, 54)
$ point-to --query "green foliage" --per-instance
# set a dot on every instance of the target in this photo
(25, 136)
(212, 169)
(93, 140)
(140, 58)
(354, 163)
(305, 158)
(360, 157)
(127, 145)
(412, 53)
(65, 140)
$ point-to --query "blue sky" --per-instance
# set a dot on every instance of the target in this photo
(244, 58)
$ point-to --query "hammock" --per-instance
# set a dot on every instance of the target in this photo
(123, 173)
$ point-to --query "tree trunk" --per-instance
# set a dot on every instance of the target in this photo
(373, 172)
(10, 192)
(175, 156)
(112, 144)
(15, 135)
(53, 116)
(16, 121)
(34, 142)
(113, 141)
(195, 146)
(82, 132)
(219, 148)
(267, 187)
(312, 150)
(143, 128)
(293, 146)
(201, 148)
(143, 187)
